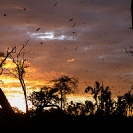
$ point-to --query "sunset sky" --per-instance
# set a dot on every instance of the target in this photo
(85, 39)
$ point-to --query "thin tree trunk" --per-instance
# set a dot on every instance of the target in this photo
(25, 95)
(61, 99)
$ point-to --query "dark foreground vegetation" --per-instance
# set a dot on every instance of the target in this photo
(52, 113)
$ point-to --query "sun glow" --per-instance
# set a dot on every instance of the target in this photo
(12, 88)
(19, 102)
(9, 64)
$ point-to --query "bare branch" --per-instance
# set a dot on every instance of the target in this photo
(20, 52)
(1, 71)
(8, 54)
(11, 73)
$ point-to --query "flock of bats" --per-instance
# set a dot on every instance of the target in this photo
(74, 24)
(81, 2)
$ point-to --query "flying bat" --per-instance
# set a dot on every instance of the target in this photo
(38, 29)
(73, 25)
(55, 4)
(74, 33)
(71, 19)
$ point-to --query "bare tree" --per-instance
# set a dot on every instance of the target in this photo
(19, 71)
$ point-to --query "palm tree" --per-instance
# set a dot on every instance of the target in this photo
(94, 91)
(102, 96)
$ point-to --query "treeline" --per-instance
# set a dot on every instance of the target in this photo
(103, 104)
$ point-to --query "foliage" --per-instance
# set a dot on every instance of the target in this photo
(16, 110)
(80, 109)
(65, 84)
(46, 97)
(104, 104)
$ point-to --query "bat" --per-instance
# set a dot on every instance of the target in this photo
(74, 32)
(55, 4)
(73, 25)
(38, 29)
(71, 19)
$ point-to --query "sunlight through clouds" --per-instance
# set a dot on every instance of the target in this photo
(50, 36)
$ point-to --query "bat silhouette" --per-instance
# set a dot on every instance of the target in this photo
(38, 29)
(71, 19)
(74, 32)
(55, 4)
(73, 25)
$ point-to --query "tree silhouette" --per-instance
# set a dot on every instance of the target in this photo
(89, 108)
(65, 85)
(46, 97)
(79, 108)
(94, 91)
(125, 103)
(21, 64)
(74, 108)
(103, 101)
(129, 100)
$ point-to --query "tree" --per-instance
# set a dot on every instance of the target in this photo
(125, 103)
(95, 91)
(46, 97)
(64, 84)
(21, 64)
(129, 100)
(102, 96)
(106, 100)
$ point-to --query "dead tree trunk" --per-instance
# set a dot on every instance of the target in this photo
(6, 107)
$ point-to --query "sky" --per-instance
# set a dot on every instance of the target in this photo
(85, 39)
